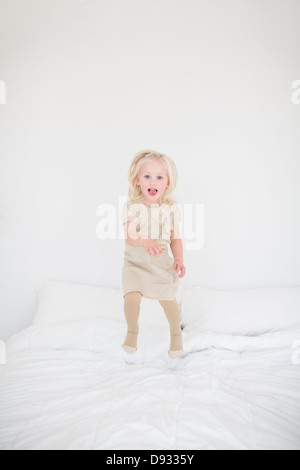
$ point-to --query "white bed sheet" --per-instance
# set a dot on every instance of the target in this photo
(70, 386)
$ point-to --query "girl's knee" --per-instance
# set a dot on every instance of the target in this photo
(133, 298)
(169, 304)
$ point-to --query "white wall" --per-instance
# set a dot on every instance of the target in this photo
(90, 83)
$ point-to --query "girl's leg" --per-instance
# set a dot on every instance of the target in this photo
(173, 314)
(132, 302)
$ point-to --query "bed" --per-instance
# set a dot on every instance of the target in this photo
(68, 385)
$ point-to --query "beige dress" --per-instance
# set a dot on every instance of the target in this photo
(153, 276)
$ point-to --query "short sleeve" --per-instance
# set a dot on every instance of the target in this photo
(175, 216)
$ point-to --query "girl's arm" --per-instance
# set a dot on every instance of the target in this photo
(177, 250)
(176, 245)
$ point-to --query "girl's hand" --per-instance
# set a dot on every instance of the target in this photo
(151, 247)
(178, 266)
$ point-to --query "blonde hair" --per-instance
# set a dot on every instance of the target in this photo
(135, 193)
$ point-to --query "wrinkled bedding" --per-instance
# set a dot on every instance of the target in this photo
(69, 385)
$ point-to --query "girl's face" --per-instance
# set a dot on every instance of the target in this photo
(153, 180)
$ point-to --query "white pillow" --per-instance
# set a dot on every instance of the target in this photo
(67, 301)
(248, 312)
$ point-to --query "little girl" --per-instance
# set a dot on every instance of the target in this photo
(151, 223)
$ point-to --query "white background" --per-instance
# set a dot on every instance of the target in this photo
(90, 83)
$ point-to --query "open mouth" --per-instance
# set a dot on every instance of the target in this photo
(152, 191)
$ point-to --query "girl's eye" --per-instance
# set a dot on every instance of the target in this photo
(159, 177)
